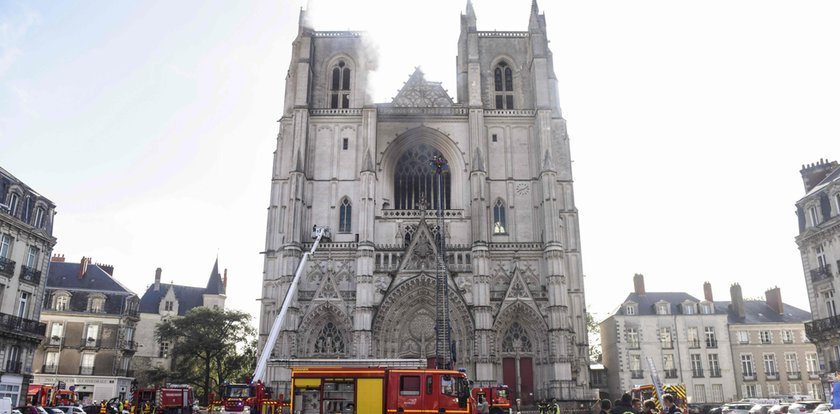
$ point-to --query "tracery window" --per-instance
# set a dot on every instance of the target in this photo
(340, 86)
(503, 81)
(345, 216)
(516, 339)
(415, 180)
(499, 223)
(329, 340)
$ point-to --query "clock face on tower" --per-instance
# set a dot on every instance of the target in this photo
(522, 189)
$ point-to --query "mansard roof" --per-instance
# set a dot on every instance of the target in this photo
(648, 301)
(420, 93)
(96, 281)
(63, 275)
(758, 311)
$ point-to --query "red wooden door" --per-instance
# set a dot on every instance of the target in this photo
(509, 375)
(526, 373)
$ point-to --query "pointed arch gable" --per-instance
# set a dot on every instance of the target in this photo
(529, 320)
(316, 320)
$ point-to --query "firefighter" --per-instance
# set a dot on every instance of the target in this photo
(102, 409)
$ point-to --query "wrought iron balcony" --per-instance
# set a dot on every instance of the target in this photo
(670, 373)
(55, 341)
(821, 328)
(90, 343)
(636, 373)
(85, 370)
(813, 374)
(7, 266)
(749, 376)
(714, 373)
(697, 372)
(772, 375)
(13, 366)
(11, 323)
(49, 369)
(30, 275)
(820, 273)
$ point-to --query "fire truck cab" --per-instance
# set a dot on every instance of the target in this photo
(492, 400)
(323, 390)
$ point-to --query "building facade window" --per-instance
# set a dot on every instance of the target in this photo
(169, 305)
(96, 303)
(765, 337)
(794, 388)
(39, 218)
(340, 86)
(57, 330)
(345, 216)
(830, 307)
(51, 362)
(92, 334)
(717, 392)
(696, 365)
(630, 309)
(693, 336)
(688, 309)
(32, 257)
(812, 212)
(811, 363)
(88, 359)
(632, 338)
(770, 365)
(14, 201)
(13, 355)
(330, 341)
(662, 309)
(23, 305)
(163, 350)
(743, 337)
(503, 82)
(61, 301)
(747, 367)
(714, 365)
(772, 389)
(791, 363)
(665, 338)
(706, 309)
(837, 204)
(499, 222)
(11, 391)
(815, 390)
(636, 366)
(787, 336)
(5, 246)
(711, 339)
(699, 393)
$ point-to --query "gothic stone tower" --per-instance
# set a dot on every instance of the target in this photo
(509, 221)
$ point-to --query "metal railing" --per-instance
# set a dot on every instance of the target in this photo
(816, 328)
(13, 366)
(820, 273)
(697, 372)
(714, 373)
(30, 275)
(7, 266)
(636, 373)
(670, 373)
(55, 341)
(15, 324)
(711, 343)
(49, 369)
(85, 370)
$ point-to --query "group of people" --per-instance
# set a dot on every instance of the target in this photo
(629, 405)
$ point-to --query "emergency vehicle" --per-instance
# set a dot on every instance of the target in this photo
(246, 398)
(51, 395)
(169, 399)
(496, 399)
(648, 391)
(323, 390)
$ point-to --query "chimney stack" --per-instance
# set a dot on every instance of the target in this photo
(109, 269)
(83, 265)
(707, 291)
(639, 283)
(774, 300)
(737, 304)
(57, 258)
(812, 174)
(158, 271)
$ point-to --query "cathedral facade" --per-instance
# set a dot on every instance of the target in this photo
(501, 214)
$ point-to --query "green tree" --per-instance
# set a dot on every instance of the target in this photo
(594, 331)
(209, 346)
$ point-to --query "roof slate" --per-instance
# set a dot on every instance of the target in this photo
(757, 311)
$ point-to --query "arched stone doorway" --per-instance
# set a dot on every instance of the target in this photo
(522, 348)
(404, 324)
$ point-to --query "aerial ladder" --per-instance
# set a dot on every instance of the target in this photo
(317, 234)
(654, 377)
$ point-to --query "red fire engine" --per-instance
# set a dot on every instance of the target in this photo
(246, 398)
(51, 395)
(325, 390)
(171, 399)
(493, 400)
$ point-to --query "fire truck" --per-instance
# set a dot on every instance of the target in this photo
(51, 395)
(323, 390)
(169, 399)
(493, 400)
(648, 391)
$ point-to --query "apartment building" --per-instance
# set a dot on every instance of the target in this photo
(26, 243)
(90, 340)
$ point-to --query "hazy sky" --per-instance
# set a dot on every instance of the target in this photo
(151, 125)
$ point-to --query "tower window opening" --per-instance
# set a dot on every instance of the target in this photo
(417, 185)
(340, 86)
(503, 82)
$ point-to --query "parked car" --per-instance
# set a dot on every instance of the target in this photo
(779, 409)
(736, 408)
(53, 410)
(803, 407)
(71, 409)
(91, 409)
(760, 408)
(715, 410)
(822, 408)
(31, 409)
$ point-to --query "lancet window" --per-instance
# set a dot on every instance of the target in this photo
(345, 216)
(340, 86)
(330, 341)
(417, 184)
(503, 81)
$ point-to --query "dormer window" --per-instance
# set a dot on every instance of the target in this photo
(39, 218)
(837, 203)
(96, 304)
(340, 86)
(630, 309)
(14, 200)
(662, 308)
(503, 82)
(168, 305)
(61, 301)
(706, 309)
(812, 213)
(688, 308)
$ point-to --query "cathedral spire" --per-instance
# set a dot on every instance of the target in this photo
(534, 21)
(471, 20)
